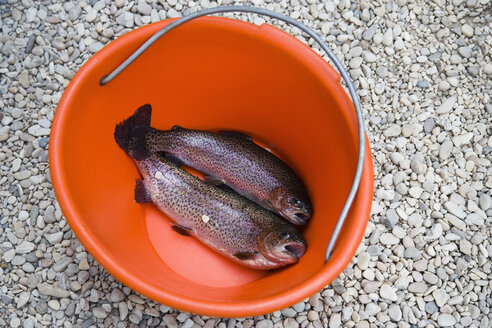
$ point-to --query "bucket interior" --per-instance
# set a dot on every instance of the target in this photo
(212, 73)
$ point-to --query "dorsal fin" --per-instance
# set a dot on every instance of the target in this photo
(236, 134)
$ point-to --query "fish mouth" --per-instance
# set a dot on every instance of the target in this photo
(287, 253)
(295, 249)
(296, 217)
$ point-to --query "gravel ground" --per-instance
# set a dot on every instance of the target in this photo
(423, 70)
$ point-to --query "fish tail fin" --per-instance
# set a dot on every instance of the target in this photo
(130, 134)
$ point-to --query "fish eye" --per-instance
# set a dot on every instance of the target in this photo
(284, 235)
(295, 202)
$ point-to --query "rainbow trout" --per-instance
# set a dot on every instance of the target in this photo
(225, 221)
(231, 158)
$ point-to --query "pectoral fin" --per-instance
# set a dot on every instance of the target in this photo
(181, 230)
(245, 256)
(217, 183)
(174, 159)
(212, 181)
(141, 193)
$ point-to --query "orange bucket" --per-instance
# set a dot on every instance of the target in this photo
(206, 74)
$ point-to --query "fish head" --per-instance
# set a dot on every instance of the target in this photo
(282, 244)
(296, 210)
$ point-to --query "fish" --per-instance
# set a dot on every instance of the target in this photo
(225, 221)
(230, 158)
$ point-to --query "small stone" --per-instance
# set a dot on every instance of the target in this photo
(369, 57)
(62, 264)
(474, 219)
(87, 323)
(126, 19)
(136, 299)
(467, 30)
(417, 287)
(445, 150)
(170, 321)
(143, 8)
(18, 260)
(91, 16)
(31, 14)
(458, 223)
(95, 47)
(446, 320)
(388, 239)
(487, 69)
(74, 12)
(289, 312)
(417, 166)
(135, 319)
(363, 260)
(47, 289)
(369, 33)
(116, 296)
(473, 70)
(393, 131)
(24, 81)
(313, 316)
(388, 293)
(454, 209)
(54, 304)
(15, 322)
(99, 312)
(465, 52)
(394, 312)
(355, 62)
(28, 267)
(299, 307)
(444, 85)
(431, 307)
(264, 324)
(391, 218)
(431, 278)
(23, 299)
(412, 253)
(25, 247)
(55, 238)
(396, 157)
(485, 202)
(447, 105)
(335, 322)
(22, 175)
(70, 310)
(123, 309)
(415, 192)
(8, 255)
(440, 297)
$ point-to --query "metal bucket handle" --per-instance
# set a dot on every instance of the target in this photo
(343, 73)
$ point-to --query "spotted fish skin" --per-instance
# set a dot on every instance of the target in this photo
(235, 160)
(225, 221)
